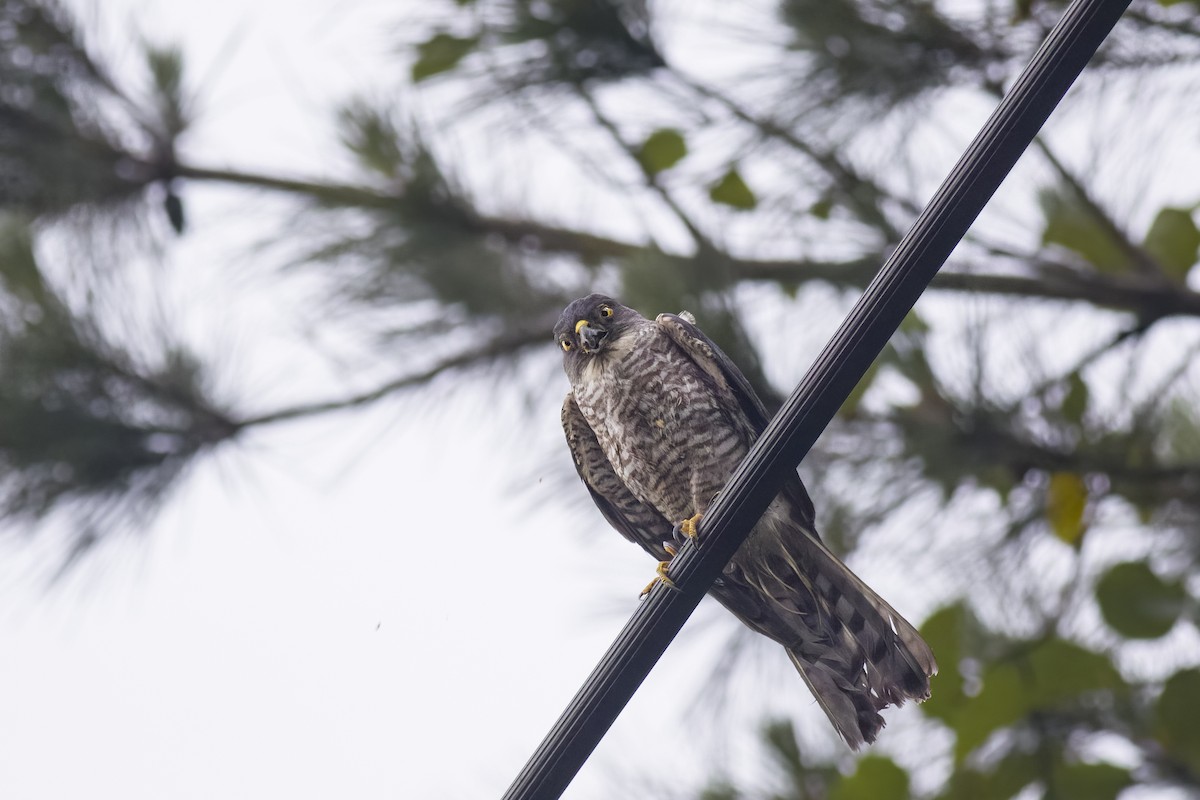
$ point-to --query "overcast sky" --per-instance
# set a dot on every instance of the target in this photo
(387, 604)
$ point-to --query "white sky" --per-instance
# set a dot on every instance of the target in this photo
(319, 612)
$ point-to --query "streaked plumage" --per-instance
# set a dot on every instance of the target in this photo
(656, 420)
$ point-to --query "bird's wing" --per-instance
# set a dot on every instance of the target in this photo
(856, 653)
(705, 353)
(638, 522)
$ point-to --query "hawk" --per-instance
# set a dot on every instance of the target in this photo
(657, 419)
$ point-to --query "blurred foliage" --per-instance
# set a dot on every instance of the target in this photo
(1137, 603)
(1070, 224)
(1174, 241)
(1025, 713)
(71, 140)
(663, 149)
(860, 50)
(1033, 428)
(1066, 500)
(532, 44)
(88, 427)
(424, 241)
(732, 191)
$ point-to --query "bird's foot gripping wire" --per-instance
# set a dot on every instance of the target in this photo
(688, 529)
(660, 573)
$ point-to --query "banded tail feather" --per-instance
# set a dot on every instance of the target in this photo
(855, 652)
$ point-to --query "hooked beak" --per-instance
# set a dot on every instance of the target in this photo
(589, 337)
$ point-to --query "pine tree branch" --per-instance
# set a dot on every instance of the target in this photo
(849, 181)
(506, 346)
(1148, 300)
(518, 231)
(1184, 27)
(1083, 362)
(348, 194)
(984, 443)
(703, 243)
(1138, 257)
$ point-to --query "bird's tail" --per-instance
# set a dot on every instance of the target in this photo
(855, 652)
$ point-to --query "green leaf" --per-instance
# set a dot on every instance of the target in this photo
(1066, 499)
(1137, 603)
(166, 68)
(1179, 430)
(1174, 241)
(908, 353)
(1001, 702)
(794, 776)
(166, 72)
(1075, 402)
(822, 208)
(662, 150)
(1093, 781)
(650, 280)
(173, 205)
(1057, 670)
(1052, 674)
(721, 790)
(914, 324)
(850, 406)
(1070, 224)
(440, 54)
(779, 736)
(732, 191)
(19, 271)
(877, 778)
(1022, 9)
(1010, 776)
(1175, 724)
(944, 633)
(997, 477)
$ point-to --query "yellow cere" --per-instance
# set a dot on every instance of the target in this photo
(579, 325)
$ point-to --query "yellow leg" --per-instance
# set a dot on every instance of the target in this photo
(660, 576)
(689, 527)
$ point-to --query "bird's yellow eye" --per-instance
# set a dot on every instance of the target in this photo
(605, 311)
(566, 345)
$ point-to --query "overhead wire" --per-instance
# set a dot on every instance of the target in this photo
(791, 433)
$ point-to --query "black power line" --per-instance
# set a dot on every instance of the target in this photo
(792, 432)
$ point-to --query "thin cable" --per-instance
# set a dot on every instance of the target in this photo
(790, 435)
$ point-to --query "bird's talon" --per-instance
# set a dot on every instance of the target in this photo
(688, 528)
(660, 576)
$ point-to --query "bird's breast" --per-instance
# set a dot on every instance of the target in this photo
(660, 423)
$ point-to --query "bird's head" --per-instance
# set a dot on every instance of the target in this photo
(590, 326)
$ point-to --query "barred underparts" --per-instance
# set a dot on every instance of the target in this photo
(657, 420)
